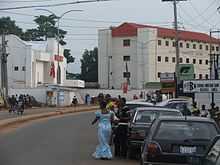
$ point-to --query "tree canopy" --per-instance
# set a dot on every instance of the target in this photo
(89, 65)
(46, 27)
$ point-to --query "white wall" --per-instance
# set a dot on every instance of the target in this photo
(113, 93)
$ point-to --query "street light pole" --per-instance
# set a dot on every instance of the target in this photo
(58, 37)
(176, 44)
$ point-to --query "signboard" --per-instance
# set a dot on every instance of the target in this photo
(201, 86)
(167, 77)
(58, 58)
(186, 71)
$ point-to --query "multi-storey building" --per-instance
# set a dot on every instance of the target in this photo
(147, 51)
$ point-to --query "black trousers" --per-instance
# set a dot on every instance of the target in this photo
(120, 141)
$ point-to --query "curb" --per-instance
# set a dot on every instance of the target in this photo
(10, 122)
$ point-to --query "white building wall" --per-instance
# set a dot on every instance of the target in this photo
(18, 54)
(104, 54)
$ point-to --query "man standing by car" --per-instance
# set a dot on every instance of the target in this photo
(121, 133)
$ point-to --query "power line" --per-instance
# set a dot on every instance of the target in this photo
(68, 26)
(51, 5)
(201, 14)
(30, 1)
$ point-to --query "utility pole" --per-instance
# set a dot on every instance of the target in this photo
(213, 64)
(4, 70)
(176, 44)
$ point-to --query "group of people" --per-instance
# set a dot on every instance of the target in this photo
(18, 103)
(112, 127)
(213, 112)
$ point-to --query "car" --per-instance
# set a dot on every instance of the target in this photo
(176, 104)
(140, 124)
(166, 102)
(178, 140)
(137, 103)
(212, 157)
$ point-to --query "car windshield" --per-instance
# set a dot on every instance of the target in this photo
(188, 130)
(148, 116)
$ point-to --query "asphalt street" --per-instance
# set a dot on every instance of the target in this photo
(68, 140)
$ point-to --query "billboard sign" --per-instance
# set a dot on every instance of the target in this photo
(186, 71)
(167, 77)
(201, 86)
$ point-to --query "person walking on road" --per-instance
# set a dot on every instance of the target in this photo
(195, 110)
(105, 118)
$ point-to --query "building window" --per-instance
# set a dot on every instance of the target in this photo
(174, 44)
(167, 43)
(200, 61)
(159, 42)
(217, 48)
(23, 68)
(158, 74)
(194, 46)
(159, 58)
(207, 47)
(126, 58)
(206, 76)
(173, 59)
(126, 43)
(213, 48)
(166, 59)
(194, 61)
(200, 46)
(187, 60)
(181, 60)
(207, 62)
(187, 45)
(200, 76)
(181, 44)
(16, 68)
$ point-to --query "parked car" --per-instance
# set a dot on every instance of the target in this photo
(166, 102)
(140, 124)
(212, 156)
(178, 140)
(134, 104)
(176, 104)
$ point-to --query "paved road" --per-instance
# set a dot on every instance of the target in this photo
(68, 140)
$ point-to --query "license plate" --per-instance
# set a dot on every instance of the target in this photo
(187, 150)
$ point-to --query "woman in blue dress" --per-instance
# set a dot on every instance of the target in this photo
(104, 117)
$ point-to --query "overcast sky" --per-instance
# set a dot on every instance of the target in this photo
(82, 27)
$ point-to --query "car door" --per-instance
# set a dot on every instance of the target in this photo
(213, 155)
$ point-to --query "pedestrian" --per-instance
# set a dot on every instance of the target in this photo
(204, 112)
(74, 101)
(105, 118)
(121, 131)
(195, 110)
(20, 107)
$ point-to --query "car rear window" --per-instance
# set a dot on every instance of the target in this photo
(174, 130)
(148, 116)
(145, 116)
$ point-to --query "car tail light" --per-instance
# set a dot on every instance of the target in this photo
(153, 148)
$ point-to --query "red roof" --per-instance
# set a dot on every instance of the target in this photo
(130, 29)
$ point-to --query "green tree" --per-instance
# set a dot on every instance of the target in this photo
(67, 55)
(89, 65)
(8, 26)
(46, 27)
